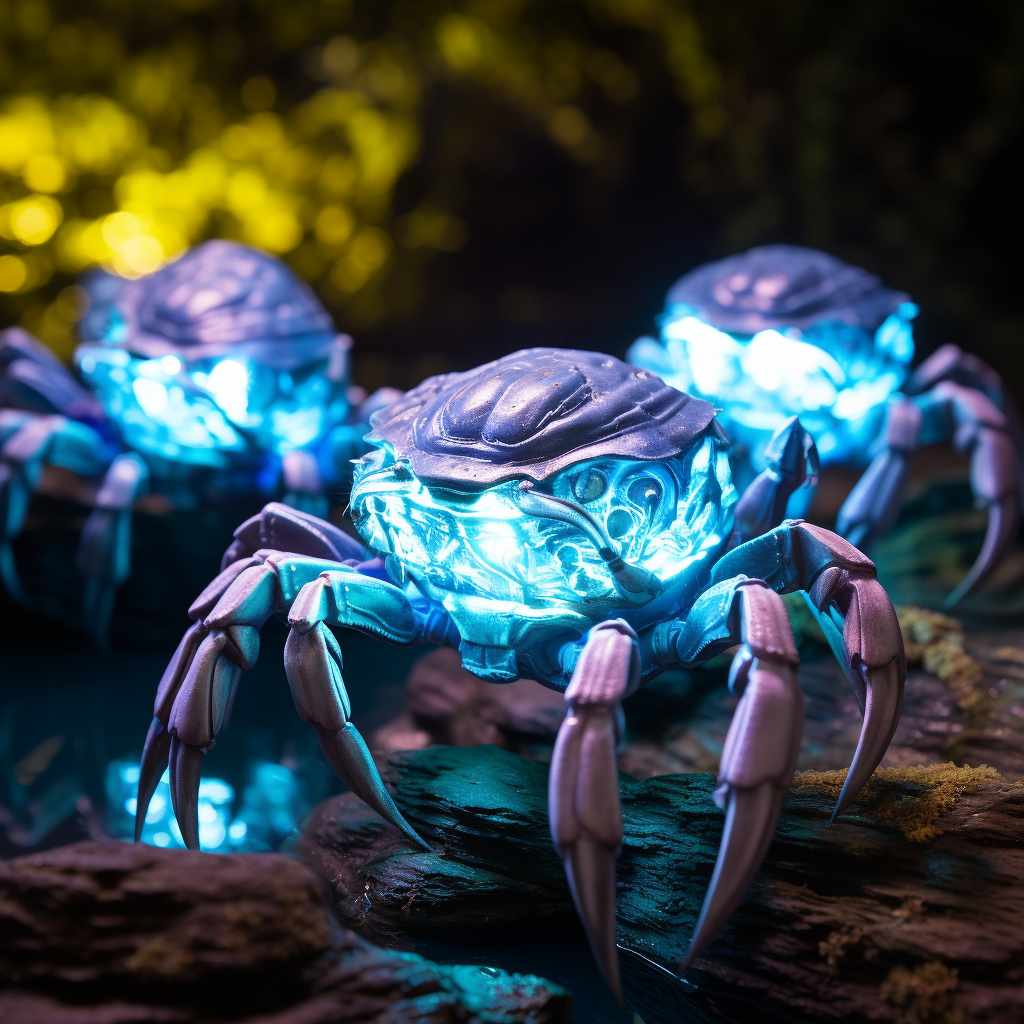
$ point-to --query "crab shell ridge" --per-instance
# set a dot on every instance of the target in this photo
(535, 412)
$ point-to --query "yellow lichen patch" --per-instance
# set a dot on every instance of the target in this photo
(936, 642)
(910, 909)
(911, 799)
(159, 959)
(923, 995)
(834, 948)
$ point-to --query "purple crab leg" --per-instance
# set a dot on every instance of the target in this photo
(792, 463)
(313, 664)
(583, 786)
(759, 756)
(978, 428)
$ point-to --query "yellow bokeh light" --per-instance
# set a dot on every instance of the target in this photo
(460, 40)
(13, 273)
(119, 228)
(334, 225)
(365, 255)
(138, 256)
(45, 172)
(34, 219)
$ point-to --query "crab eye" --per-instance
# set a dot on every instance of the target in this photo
(645, 493)
(589, 486)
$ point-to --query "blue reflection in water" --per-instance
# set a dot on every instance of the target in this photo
(271, 806)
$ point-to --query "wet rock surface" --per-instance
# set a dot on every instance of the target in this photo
(907, 909)
(110, 933)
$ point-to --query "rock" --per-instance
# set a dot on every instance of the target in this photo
(446, 704)
(105, 933)
(963, 702)
(908, 909)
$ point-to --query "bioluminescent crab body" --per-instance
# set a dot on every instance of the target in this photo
(561, 515)
(220, 375)
(782, 331)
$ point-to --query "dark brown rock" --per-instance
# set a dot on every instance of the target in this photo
(446, 704)
(105, 933)
(909, 908)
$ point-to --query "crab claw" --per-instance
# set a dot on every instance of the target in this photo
(758, 758)
(583, 787)
(874, 503)
(883, 702)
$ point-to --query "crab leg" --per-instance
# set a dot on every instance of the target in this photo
(104, 549)
(760, 750)
(313, 664)
(792, 463)
(193, 693)
(856, 615)
(583, 787)
(28, 443)
(759, 756)
(283, 528)
(977, 427)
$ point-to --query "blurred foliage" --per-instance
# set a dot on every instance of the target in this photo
(460, 178)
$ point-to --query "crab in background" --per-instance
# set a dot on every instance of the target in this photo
(782, 331)
(220, 375)
(558, 515)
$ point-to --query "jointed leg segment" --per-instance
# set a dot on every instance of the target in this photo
(224, 641)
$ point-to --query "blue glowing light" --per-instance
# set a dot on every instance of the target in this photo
(834, 376)
(499, 571)
(160, 827)
(270, 808)
(206, 411)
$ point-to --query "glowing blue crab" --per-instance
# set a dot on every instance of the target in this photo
(219, 376)
(559, 515)
(782, 331)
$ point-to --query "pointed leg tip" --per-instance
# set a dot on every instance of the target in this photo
(413, 836)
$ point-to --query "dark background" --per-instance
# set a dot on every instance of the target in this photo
(885, 131)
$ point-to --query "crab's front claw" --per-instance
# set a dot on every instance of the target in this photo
(759, 756)
(583, 787)
(792, 463)
(313, 665)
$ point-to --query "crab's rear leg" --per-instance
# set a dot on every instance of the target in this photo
(978, 428)
(313, 664)
(583, 786)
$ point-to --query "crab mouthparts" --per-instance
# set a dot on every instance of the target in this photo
(635, 584)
